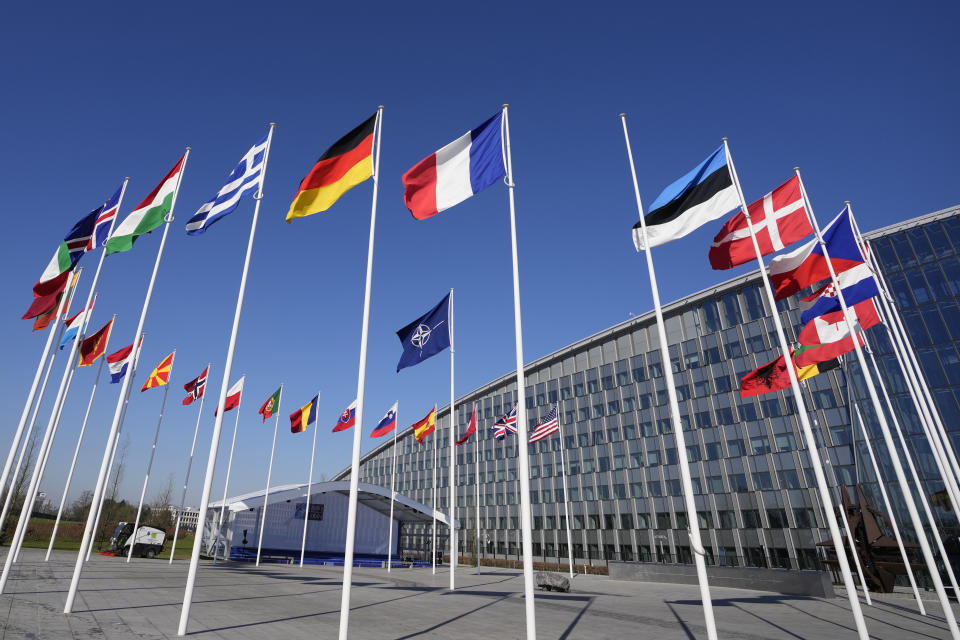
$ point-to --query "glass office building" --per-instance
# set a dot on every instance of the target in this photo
(756, 497)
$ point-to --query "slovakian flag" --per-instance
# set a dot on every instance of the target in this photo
(387, 424)
(304, 416)
(779, 219)
(343, 166)
(507, 423)
(106, 215)
(550, 424)
(271, 406)
(196, 387)
(160, 374)
(463, 168)
(471, 429)
(703, 194)
(806, 265)
(832, 327)
(426, 336)
(347, 419)
(423, 428)
(95, 345)
(234, 394)
(856, 284)
(118, 362)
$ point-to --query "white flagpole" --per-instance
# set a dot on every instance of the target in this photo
(477, 480)
(186, 478)
(524, 466)
(683, 464)
(76, 451)
(361, 380)
(218, 423)
(436, 460)
(313, 451)
(566, 498)
(885, 429)
(153, 451)
(393, 478)
(266, 494)
(226, 482)
(452, 490)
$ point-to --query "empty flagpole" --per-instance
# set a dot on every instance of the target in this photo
(436, 459)
(524, 467)
(226, 482)
(566, 498)
(153, 451)
(218, 422)
(393, 478)
(186, 477)
(885, 429)
(822, 485)
(313, 451)
(477, 480)
(361, 380)
(452, 506)
(76, 451)
(683, 464)
(266, 495)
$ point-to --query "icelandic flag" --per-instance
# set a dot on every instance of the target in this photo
(73, 326)
(856, 284)
(244, 179)
(463, 168)
(118, 362)
(794, 271)
(347, 418)
(104, 222)
(426, 336)
(505, 424)
(387, 424)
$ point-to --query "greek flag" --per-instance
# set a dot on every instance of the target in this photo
(244, 179)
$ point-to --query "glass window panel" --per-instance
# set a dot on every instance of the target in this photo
(918, 332)
(903, 249)
(951, 268)
(898, 284)
(885, 250)
(731, 309)
(938, 284)
(938, 239)
(950, 362)
(936, 328)
(711, 316)
(921, 247)
(754, 303)
(951, 316)
(921, 293)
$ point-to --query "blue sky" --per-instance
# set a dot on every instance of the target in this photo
(864, 100)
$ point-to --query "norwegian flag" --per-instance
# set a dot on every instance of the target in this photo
(550, 424)
(779, 219)
(104, 223)
(507, 423)
(196, 387)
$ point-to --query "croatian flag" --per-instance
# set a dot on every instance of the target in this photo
(463, 168)
(856, 284)
(104, 223)
(387, 424)
(347, 418)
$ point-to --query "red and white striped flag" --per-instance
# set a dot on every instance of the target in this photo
(550, 424)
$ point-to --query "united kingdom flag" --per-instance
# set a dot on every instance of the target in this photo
(507, 423)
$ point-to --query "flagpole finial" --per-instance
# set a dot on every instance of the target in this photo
(380, 107)
(723, 139)
(846, 202)
(622, 116)
(189, 148)
(506, 105)
(796, 169)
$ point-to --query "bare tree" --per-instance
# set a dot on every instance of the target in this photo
(18, 487)
(109, 516)
(160, 512)
(80, 507)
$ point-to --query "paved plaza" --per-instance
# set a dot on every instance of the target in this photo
(142, 601)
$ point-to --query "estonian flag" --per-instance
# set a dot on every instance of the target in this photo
(704, 194)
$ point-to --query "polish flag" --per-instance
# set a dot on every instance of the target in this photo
(233, 396)
(463, 168)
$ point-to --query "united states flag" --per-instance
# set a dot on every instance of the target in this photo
(104, 224)
(549, 424)
(507, 423)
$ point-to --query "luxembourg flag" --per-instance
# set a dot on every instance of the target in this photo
(463, 168)
(347, 418)
(73, 326)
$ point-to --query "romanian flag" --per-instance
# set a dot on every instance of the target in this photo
(95, 346)
(304, 416)
(343, 166)
(160, 375)
(426, 426)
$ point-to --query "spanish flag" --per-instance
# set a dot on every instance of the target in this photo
(160, 375)
(343, 166)
(426, 426)
(304, 416)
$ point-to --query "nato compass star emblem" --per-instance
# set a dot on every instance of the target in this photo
(421, 335)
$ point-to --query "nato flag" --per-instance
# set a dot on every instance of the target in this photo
(426, 336)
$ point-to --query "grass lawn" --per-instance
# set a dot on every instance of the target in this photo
(70, 533)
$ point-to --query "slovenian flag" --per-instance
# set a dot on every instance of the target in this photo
(347, 418)
(463, 168)
(387, 424)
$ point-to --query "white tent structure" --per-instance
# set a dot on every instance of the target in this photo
(326, 534)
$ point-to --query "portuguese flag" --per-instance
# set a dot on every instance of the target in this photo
(270, 407)
(343, 166)
(149, 214)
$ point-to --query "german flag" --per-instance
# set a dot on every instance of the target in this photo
(160, 375)
(343, 166)
(426, 426)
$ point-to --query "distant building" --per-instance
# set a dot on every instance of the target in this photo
(188, 519)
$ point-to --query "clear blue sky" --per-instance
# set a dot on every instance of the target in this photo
(863, 98)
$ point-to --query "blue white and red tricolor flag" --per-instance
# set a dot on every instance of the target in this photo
(104, 223)
(118, 362)
(463, 168)
(347, 418)
(505, 424)
(857, 285)
(549, 424)
(387, 424)
(73, 326)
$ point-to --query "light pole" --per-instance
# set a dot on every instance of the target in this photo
(661, 538)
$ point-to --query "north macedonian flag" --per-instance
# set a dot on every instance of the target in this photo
(343, 166)
(160, 375)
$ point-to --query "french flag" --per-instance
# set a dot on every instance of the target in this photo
(347, 418)
(463, 168)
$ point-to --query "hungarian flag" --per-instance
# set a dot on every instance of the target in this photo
(304, 416)
(472, 429)
(196, 387)
(269, 408)
(95, 345)
(160, 374)
(149, 214)
(387, 423)
(347, 419)
(343, 166)
(779, 219)
(232, 401)
(425, 427)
